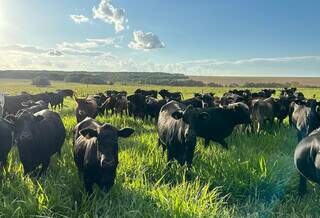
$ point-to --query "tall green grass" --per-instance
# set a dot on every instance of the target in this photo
(254, 178)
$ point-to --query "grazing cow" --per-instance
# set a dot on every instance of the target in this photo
(66, 92)
(137, 105)
(56, 100)
(87, 107)
(6, 129)
(96, 152)
(304, 118)
(263, 110)
(38, 136)
(221, 123)
(152, 93)
(307, 160)
(165, 94)
(176, 130)
(121, 105)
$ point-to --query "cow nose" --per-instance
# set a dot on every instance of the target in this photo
(107, 163)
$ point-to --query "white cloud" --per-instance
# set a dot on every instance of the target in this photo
(212, 62)
(79, 18)
(110, 14)
(145, 41)
(80, 58)
(77, 45)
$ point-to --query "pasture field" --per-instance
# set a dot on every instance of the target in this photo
(254, 178)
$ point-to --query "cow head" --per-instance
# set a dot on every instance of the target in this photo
(191, 115)
(23, 125)
(241, 113)
(107, 142)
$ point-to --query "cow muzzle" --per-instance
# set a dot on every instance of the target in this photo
(105, 163)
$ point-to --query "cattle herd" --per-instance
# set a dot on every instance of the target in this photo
(39, 132)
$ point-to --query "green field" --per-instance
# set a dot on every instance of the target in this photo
(254, 178)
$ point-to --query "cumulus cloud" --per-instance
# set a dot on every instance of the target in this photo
(145, 41)
(79, 18)
(110, 14)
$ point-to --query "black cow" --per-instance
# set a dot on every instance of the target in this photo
(195, 102)
(6, 129)
(152, 93)
(222, 121)
(177, 131)
(96, 152)
(207, 99)
(137, 105)
(307, 160)
(66, 92)
(165, 94)
(304, 118)
(12, 104)
(38, 136)
(87, 107)
(56, 100)
(153, 106)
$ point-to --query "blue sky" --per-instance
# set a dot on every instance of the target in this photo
(205, 37)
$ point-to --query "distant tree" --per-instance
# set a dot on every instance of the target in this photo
(41, 81)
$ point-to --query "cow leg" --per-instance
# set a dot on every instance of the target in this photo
(88, 185)
(162, 145)
(206, 142)
(189, 156)
(302, 186)
(170, 157)
(44, 167)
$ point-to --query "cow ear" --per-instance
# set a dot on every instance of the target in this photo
(125, 132)
(39, 118)
(89, 132)
(204, 116)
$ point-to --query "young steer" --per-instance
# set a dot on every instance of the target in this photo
(96, 152)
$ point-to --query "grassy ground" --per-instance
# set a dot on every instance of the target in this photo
(255, 178)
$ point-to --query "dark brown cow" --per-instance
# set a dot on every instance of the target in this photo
(86, 107)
